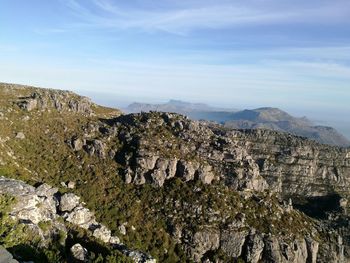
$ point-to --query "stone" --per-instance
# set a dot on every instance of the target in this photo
(81, 216)
(6, 257)
(312, 250)
(31, 209)
(122, 229)
(83, 105)
(102, 233)
(128, 176)
(99, 148)
(186, 170)
(272, 252)
(255, 247)
(77, 144)
(139, 257)
(146, 163)
(114, 240)
(37, 206)
(71, 184)
(46, 190)
(158, 177)
(232, 242)
(205, 174)
(299, 251)
(15, 187)
(28, 104)
(68, 202)
(20, 136)
(79, 252)
(204, 241)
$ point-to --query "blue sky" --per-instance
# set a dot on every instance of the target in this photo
(243, 54)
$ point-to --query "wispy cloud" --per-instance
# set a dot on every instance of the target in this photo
(206, 14)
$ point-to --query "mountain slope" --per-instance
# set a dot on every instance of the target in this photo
(262, 118)
(181, 190)
(276, 119)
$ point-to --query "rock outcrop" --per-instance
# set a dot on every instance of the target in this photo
(35, 205)
(79, 253)
(254, 160)
(58, 100)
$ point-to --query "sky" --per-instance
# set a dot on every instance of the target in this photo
(294, 55)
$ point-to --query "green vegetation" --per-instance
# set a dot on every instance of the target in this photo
(20, 240)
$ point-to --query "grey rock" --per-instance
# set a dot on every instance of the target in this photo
(81, 216)
(20, 136)
(187, 170)
(77, 144)
(28, 104)
(205, 174)
(83, 105)
(122, 229)
(232, 241)
(46, 99)
(79, 252)
(128, 177)
(312, 250)
(15, 187)
(114, 240)
(71, 184)
(6, 257)
(68, 202)
(97, 147)
(139, 257)
(102, 233)
(272, 252)
(255, 247)
(204, 241)
(46, 190)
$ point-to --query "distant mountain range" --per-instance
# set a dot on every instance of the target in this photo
(261, 118)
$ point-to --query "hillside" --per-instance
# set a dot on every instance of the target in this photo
(262, 118)
(160, 187)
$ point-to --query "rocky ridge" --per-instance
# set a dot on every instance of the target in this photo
(266, 118)
(244, 159)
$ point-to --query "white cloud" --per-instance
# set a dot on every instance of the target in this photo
(207, 14)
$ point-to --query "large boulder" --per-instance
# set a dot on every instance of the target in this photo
(232, 242)
(81, 216)
(79, 253)
(255, 247)
(187, 170)
(102, 233)
(68, 202)
(204, 241)
(6, 257)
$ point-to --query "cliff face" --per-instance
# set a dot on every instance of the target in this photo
(160, 146)
(176, 189)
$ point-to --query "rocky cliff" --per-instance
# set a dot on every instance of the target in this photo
(178, 190)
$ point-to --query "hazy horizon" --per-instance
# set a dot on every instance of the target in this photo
(318, 117)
